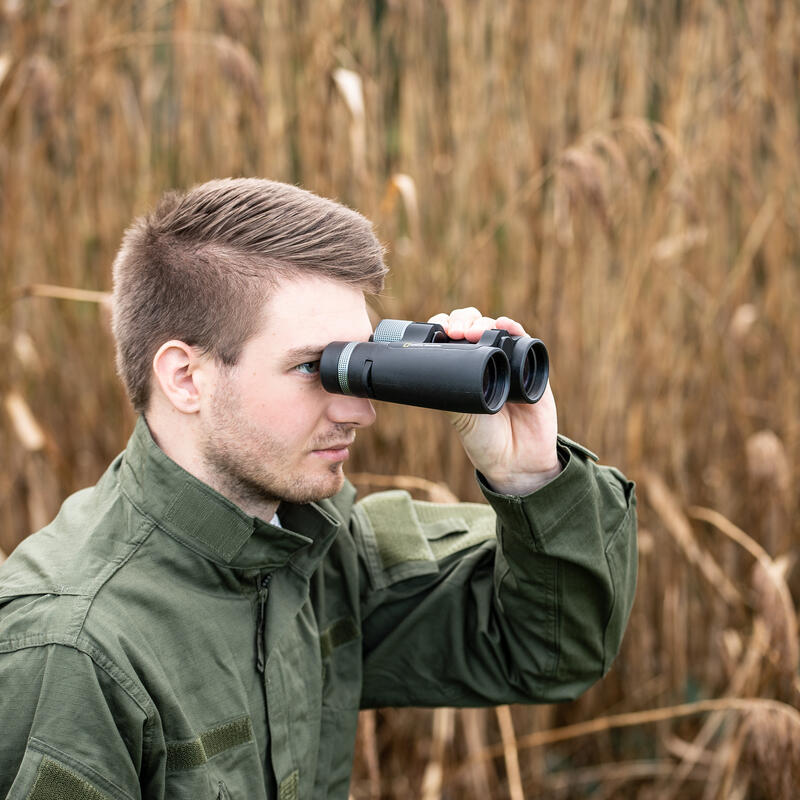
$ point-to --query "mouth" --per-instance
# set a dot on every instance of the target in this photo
(336, 451)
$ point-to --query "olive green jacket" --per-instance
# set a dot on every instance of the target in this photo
(157, 642)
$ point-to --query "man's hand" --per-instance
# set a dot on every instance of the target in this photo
(514, 449)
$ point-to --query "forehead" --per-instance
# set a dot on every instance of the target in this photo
(315, 310)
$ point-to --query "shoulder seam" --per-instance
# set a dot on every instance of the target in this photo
(97, 657)
(102, 661)
(111, 570)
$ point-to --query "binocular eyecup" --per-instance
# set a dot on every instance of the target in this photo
(417, 364)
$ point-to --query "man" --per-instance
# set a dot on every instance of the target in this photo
(209, 618)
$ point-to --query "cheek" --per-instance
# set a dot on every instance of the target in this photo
(291, 412)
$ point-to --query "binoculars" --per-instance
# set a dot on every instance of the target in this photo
(417, 364)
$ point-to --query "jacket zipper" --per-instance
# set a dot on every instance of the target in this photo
(263, 594)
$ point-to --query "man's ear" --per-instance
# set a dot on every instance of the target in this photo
(175, 366)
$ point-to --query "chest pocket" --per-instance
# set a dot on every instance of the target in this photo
(196, 768)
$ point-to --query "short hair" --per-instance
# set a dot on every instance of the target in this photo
(200, 266)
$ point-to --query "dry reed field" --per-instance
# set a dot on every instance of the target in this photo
(624, 177)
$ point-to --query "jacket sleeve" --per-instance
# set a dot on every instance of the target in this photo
(69, 730)
(523, 600)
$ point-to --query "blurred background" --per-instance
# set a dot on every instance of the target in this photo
(623, 177)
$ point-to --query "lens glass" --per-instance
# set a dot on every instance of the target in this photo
(528, 370)
(489, 380)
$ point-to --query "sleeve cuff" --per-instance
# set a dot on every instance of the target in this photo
(540, 511)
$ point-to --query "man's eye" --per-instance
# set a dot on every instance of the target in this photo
(308, 367)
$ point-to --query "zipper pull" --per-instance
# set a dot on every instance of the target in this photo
(263, 594)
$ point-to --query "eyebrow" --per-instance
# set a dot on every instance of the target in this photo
(310, 352)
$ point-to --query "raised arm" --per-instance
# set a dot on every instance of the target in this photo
(522, 600)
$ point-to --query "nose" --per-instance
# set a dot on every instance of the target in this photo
(348, 410)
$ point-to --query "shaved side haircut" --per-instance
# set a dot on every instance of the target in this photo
(200, 267)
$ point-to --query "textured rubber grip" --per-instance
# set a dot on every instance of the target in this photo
(390, 330)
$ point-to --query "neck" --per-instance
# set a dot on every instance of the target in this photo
(174, 434)
(249, 498)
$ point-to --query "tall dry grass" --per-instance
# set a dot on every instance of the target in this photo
(621, 176)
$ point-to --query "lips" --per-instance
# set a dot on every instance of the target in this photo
(335, 451)
(339, 445)
(333, 454)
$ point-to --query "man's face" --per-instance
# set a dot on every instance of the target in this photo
(270, 431)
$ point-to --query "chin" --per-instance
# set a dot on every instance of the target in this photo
(335, 486)
(325, 487)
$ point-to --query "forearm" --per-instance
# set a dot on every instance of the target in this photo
(583, 525)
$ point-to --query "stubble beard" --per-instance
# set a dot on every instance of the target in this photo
(251, 467)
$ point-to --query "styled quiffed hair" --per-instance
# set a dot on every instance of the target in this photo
(199, 268)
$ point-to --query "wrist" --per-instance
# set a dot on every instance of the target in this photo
(522, 483)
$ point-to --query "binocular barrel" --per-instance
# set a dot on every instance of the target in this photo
(443, 376)
(415, 363)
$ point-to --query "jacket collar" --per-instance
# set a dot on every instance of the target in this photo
(208, 523)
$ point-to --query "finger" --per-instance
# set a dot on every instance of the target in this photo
(440, 319)
(478, 326)
(510, 325)
(460, 321)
